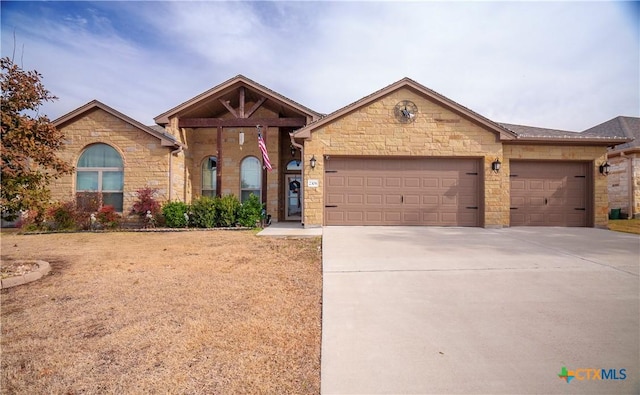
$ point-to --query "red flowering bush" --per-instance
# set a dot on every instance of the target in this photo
(107, 217)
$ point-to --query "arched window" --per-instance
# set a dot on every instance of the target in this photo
(209, 174)
(100, 170)
(250, 178)
(294, 165)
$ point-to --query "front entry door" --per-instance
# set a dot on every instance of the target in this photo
(293, 200)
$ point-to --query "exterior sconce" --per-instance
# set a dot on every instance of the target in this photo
(495, 165)
(604, 168)
(293, 150)
(312, 162)
(241, 138)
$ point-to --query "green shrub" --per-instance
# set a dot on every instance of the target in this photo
(227, 208)
(63, 216)
(203, 212)
(174, 214)
(250, 212)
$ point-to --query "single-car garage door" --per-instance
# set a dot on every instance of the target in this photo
(549, 193)
(402, 191)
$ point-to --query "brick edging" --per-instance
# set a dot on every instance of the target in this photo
(42, 270)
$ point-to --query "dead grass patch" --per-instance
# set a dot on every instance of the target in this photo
(625, 225)
(188, 312)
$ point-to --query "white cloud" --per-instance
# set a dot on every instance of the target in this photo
(561, 65)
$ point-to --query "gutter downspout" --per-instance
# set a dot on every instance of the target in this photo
(631, 194)
(171, 154)
(301, 148)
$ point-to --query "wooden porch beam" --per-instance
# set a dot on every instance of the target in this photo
(241, 106)
(264, 131)
(240, 122)
(255, 107)
(219, 163)
(228, 107)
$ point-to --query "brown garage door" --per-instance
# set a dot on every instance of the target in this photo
(402, 191)
(549, 193)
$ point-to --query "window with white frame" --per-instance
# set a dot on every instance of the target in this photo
(209, 175)
(100, 170)
(250, 178)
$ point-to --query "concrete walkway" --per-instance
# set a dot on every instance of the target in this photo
(468, 310)
(289, 229)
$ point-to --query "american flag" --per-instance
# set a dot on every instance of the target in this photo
(265, 154)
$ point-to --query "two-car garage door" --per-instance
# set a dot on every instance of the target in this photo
(402, 191)
(447, 192)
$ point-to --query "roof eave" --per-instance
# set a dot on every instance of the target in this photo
(569, 140)
(163, 118)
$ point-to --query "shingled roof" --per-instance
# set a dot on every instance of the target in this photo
(531, 133)
(629, 127)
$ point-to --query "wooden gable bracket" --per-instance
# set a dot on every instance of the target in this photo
(240, 113)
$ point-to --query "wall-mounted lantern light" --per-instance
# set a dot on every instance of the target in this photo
(604, 168)
(312, 162)
(241, 138)
(293, 150)
(495, 165)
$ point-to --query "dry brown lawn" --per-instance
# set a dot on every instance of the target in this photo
(197, 312)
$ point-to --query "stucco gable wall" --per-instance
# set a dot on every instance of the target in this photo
(146, 162)
(373, 130)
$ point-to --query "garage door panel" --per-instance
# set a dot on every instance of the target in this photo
(374, 199)
(394, 216)
(392, 182)
(430, 182)
(448, 182)
(412, 200)
(355, 181)
(397, 191)
(335, 181)
(517, 184)
(536, 185)
(393, 199)
(355, 199)
(335, 198)
(548, 193)
(411, 182)
(335, 216)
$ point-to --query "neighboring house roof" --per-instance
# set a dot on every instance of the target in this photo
(535, 134)
(504, 133)
(166, 139)
(629, 127)
(238, 80)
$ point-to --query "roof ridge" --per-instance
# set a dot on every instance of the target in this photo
(625, 127)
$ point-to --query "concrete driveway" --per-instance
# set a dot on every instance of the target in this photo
(470, 310)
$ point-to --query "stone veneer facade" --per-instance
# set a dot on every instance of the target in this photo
(372, 130)
(146, 161)
(202, 143)
(624, 184)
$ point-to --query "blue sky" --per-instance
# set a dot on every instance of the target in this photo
(565, 65)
